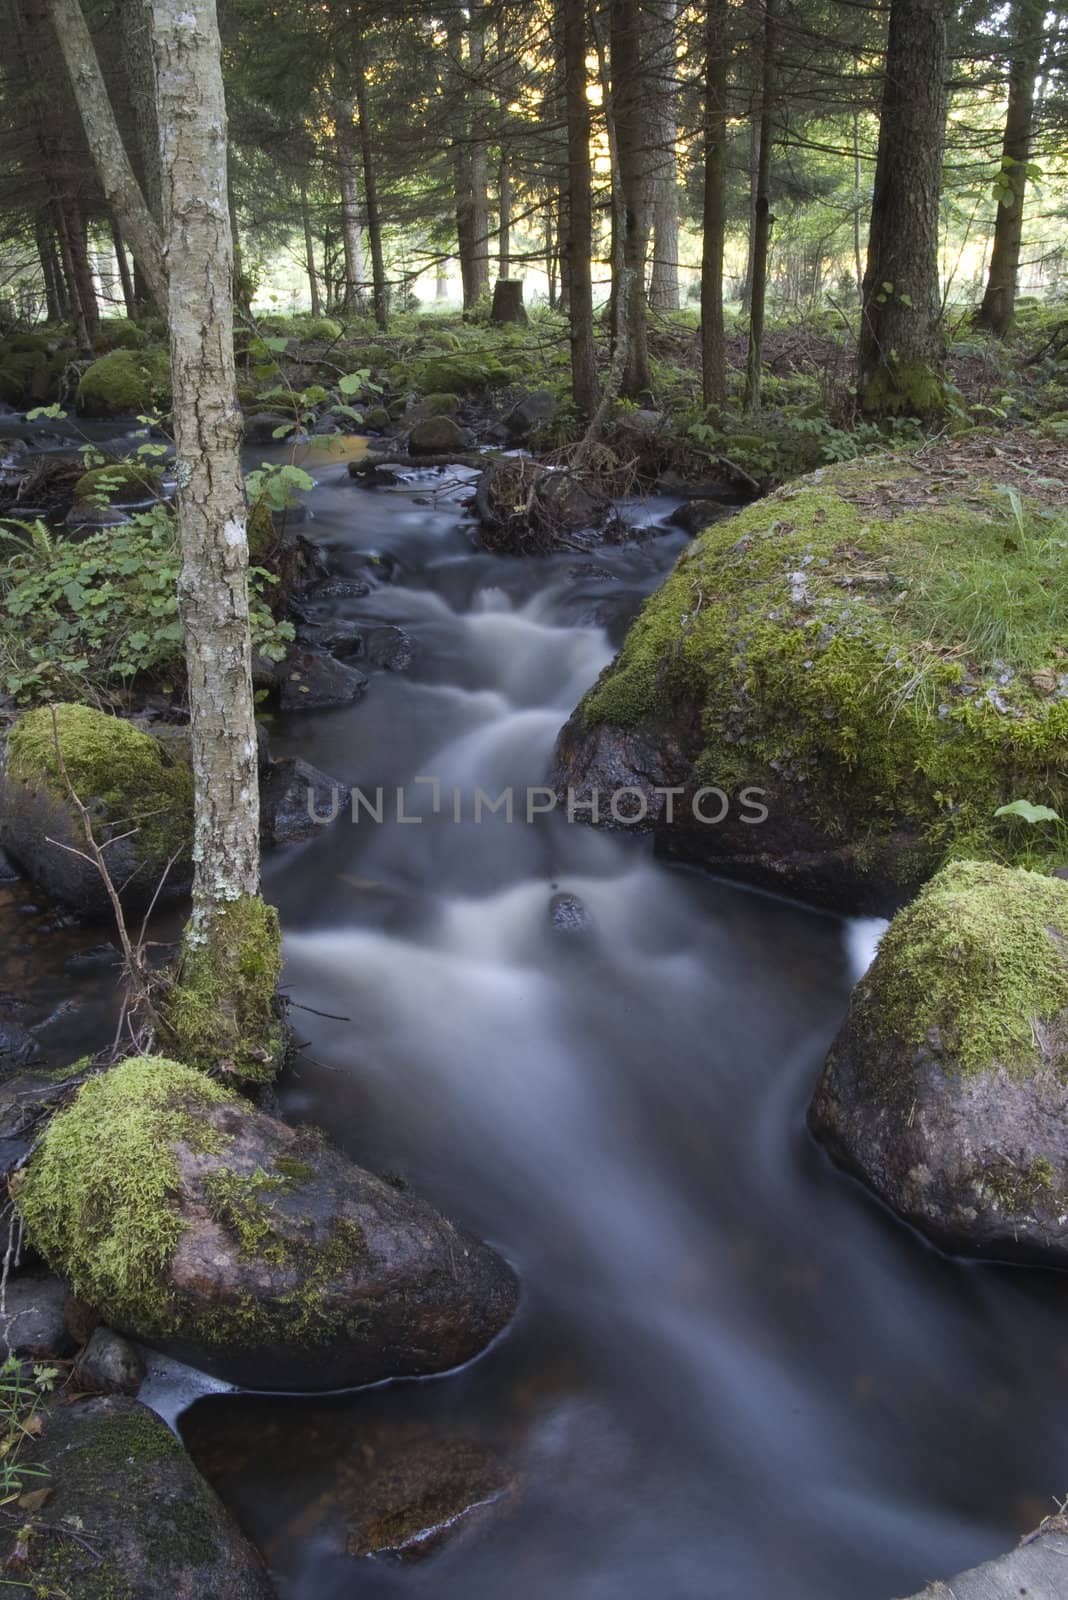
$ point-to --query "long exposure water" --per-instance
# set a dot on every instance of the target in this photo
(732, 1375)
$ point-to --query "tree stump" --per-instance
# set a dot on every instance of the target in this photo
(508, 301)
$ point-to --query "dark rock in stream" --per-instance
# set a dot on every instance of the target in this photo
(260, 428)
(337, 638)
(130, 1515)
(436, 436)
(9, 873)
(389, 648)
(290, 792)
(568, 915)
(339, 589)
(33, 1323)
(109, 1364)
(17, 1047)
(1036, 1570)
(311, 680)
(411, 1495)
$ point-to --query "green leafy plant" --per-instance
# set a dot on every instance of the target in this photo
(20, 1420)
(1028, 812)
(89, 616)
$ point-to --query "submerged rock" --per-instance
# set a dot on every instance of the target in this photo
(568, 915)
(290, 792)
(1035, 1570)
(412, 1494)
(131, 784)
(310, 680)
(129, 1515)
(250, 1249)
(388, 647)
(813, 648)
(17, 1047)
(946, 1090)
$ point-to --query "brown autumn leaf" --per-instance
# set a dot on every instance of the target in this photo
(34, 1499)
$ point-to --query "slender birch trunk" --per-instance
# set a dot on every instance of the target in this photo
(221, 1014)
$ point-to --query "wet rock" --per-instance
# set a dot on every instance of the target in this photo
(290, 792)
(311, 680)
(27, 1099)
(9, 873)
(412, 1495)
(33, 1320)
(337, 638)
(436, 436)
(339, 589)
(109, 1364)
(1035, 1570)
(260, 427)
(98, 959)
(130, 1515)
(257, 1252)
(17, 1047)
(946, 1090)
(389, 648)
(568, 915)
(614, 612)
(376, 419)
(139, 797)
(694, 516)
(533, 411)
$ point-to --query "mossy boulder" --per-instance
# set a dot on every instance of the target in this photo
(439, 405)
(119, 333)
(946, 1090)
(131, 783)
(458, 374)
(251, 1249)
(125, 383)
(320, 328)
(119, 483)
(128, 1517)
(875, 655)
(436, 435)
(29, 377)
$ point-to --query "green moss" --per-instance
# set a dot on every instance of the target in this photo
(262, 533)
(304, 1314)
(317, 328)
(119, 333)
(802, 640)
(1018, 1189)
(126, 775)
(29, 376)
(981, 957)
(97, 1198)
(124, 383)
(905, 389)
(222, 1011)
(119, 482)
(439, 405)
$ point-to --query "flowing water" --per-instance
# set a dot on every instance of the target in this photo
(732, 1374)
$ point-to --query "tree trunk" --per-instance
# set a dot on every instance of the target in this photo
(630, 106)
(441, 281)
(664, 281)
(351, 239)
(901, 355)
(140, 72)
(550, 255)
(82, 269)
(213, 1018)
(50, 271)
(753, 169)
(470, 162)
(125, 276)
(380, 292)
(508, 301)
(1027, 35)
(309, 254)
(714, 218)
(120, 186)
(577, 248)
(82, 330)
(758, 286)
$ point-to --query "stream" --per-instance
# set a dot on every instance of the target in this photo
(732, 1374)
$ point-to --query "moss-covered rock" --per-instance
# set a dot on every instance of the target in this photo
(879, 652)
(439, 405)
(221, 1014)
(132, 785)
(119, 483)
(128, 1517)
(436, 435)
(125, 383)
(254, 1250)
(945, 1090)
(29, 376)
(323, 328)
(119, 333)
